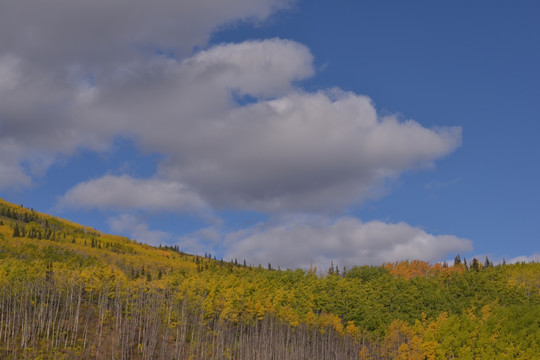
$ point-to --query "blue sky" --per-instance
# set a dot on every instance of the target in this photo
(291, 132)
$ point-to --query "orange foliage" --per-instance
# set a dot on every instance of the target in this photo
(411, 269)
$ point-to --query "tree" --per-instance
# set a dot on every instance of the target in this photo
(475, 265)
(16, 231)
(331, 269)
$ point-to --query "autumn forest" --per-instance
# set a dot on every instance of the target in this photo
(70, 292)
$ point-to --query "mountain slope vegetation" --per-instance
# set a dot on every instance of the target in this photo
(68, 292)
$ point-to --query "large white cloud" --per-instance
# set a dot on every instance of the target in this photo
(307, 241)
(54, 53)
(303, 152)
(289, 150)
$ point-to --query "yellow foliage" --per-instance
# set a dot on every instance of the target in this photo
(352, 330)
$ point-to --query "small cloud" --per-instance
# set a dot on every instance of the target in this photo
(126, 193)
(134, 228)
(525, 258)
(204, 240)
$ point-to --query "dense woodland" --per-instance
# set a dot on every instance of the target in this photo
(69, 292)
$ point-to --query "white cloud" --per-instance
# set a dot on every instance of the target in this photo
(75, 74)
(126, 193)
(346, 241)
(204, 240)
(10, 73)
(259, 68)
(300, 152)
(289, 150)
(11, 172)
(534, 257)
(40, 115)
(55, 54)
(137, 230)
(96, 34)
(293, 151)
(12, 175)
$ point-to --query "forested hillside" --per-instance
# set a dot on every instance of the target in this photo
(70, 292)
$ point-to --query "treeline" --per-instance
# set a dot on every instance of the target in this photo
(82, 294)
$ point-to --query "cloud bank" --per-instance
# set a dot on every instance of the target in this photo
(346, 241)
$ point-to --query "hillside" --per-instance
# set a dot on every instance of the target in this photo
(68, 292)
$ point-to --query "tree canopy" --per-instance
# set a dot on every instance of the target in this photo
(69, 291)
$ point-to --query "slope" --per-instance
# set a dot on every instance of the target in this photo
(69, 291)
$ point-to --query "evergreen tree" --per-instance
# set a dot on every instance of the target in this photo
(457, 260)
(475, 265)
(331, 269)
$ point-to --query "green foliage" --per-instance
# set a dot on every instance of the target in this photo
(403, 310)
(367, 273)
